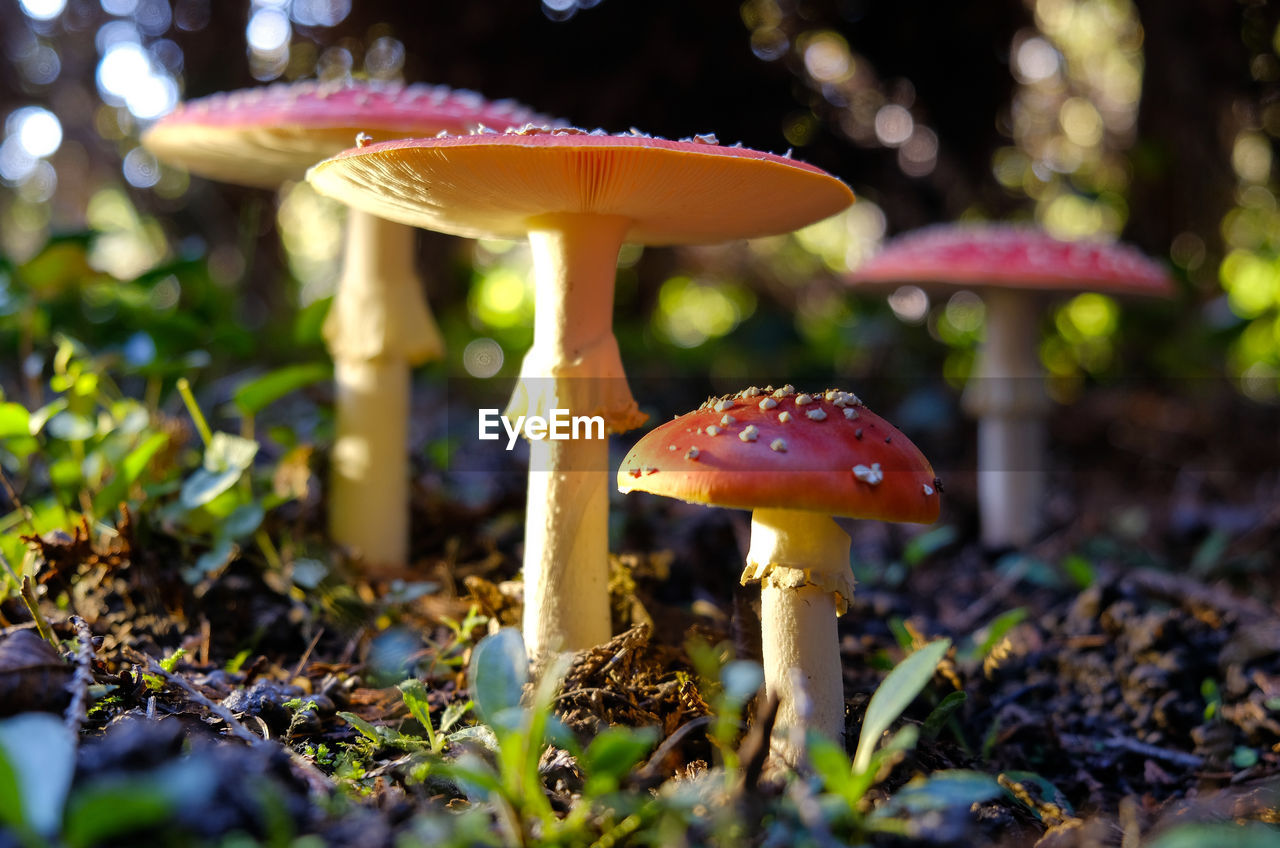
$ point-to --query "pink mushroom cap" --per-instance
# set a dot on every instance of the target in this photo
(1017, 257)
(265, 136)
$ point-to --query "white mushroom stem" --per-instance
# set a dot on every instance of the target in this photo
(1008, 398)
(378, 326)
(573, 365)
(369, 497)
(802, 562)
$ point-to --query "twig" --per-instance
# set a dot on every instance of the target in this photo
(233, 724)
(82, 679)
(650, 769)
(317, 781)
(1134, 746)
(306, 655)
(14, 628)
(27, 516)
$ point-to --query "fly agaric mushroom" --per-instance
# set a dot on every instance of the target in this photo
(795, 460)
(577, 197)
(1012, 267)
(379, 324)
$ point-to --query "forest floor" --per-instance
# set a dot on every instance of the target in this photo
(1120, 677)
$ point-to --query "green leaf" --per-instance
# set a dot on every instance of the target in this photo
(612, 754)
(414, 695)
(131, 467)
(107, 809)
(243, 521)
(210, 562)
(256, 394)
(941, 790)
(364, 728)
(42, 415)
(894, 695)
(227, 452)
(11, 813)
(1251, 835)
(831, 764)
(941, 713)
(498, 672)
(225, 459)
(14, 420)
(741, 679)
(1048, 792)
(1080, 570)
(999, 628)
(136, 462)
(204, 485)
(42, 753)
(70, 427)
(308, 572)
(923, 546)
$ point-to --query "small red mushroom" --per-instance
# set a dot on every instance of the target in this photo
(1013, 268)
(795, 460)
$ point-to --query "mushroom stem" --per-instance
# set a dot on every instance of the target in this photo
(802, 562)
(1007, 396)
(378, 326)
(369, 497)
(574, 366)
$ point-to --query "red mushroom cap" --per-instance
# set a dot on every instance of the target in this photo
(1007, 256)
(264, 136)
(766, 449)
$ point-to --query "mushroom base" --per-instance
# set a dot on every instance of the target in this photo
(801, 654)
(1011, 482)
(566, 573)
(802, 562)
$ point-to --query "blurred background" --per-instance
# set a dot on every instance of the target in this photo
(1153, 122)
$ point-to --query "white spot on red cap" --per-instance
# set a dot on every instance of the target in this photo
(871, 475)
(749, 433)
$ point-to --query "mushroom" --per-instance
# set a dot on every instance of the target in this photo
(379, 324)
(577, 197)
(1012, 267)
(795, 460)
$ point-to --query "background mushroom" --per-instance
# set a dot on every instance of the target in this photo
(578, 197)
(1013, 268)
(795, 460)
(379, 324)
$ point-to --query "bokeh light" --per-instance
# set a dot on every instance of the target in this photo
(691, 312)
(37, 130)
(42, 10)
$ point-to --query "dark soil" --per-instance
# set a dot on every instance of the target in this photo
(1140, 687)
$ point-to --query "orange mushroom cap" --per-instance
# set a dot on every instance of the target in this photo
(497, 185)
(766, 449)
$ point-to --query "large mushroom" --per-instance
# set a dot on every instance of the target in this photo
(577, 197)
(795, 460)
(379, 324)
(1013, 268)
